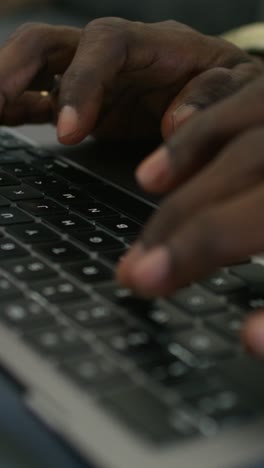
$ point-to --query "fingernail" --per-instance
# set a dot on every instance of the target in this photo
(152, 271)
(155, 169)
(68, 122)
(183, 113)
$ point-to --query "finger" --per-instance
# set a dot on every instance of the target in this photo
(31, 107)
(31, 58)
(204, 90)
(200, 139)
(100, 57)
(237, 168)
(253, 334)
(209, 240)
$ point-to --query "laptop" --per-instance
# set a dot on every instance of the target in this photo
(124, 381)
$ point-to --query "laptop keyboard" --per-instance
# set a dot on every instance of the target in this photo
(156, 365)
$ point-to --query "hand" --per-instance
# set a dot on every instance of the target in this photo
(213, 217)
(29, 60)
(119, 78)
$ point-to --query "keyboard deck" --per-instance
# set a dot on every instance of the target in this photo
(153, 364)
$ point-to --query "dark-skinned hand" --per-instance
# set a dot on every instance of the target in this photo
(214, 170)
(119, 79)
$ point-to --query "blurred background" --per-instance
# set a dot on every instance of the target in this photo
(211, 16)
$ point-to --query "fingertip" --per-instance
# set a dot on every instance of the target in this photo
(148, 276)
(253, 334)
(68, 124)
(154, 173)
(128, 261)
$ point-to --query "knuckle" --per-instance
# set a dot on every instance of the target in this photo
(32, 36)
(108, 25)
(111, 35)
(210, 87)
(29, 30)
(25, 27)
(170, 23)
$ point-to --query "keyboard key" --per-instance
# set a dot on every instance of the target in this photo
(11, 215)
(69, 223)
(44, 164)
(46, 183)
(251, 273)
(93, 314)
(70, 197)
(224, 406)
(57, 290)
(57, 342)
(29, 269)
(4, 202)
(90, 272)
(123, 297)
(21, 169)
(134, 343)
(94, 211)
(97, 241)
(120, 226)
(229, 324)
(198, 301)
(168, 371)
(143, 412)
(163, 319)
(26, 315)
(121, 201)
(250, 300)
(61, 252)
(33, 233)
(203, 343)
(197, 384)
(9, 249)
(223, 283)
(98, 375)
(45, 207)
(189, 382)
(6, 179)
(22, 192)
(7, 289)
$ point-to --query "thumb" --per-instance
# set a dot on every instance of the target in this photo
(201, 92)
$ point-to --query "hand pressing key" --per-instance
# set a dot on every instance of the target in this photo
(213, 169)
